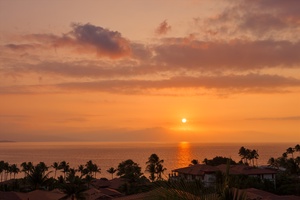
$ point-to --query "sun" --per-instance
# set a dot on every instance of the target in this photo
(183, 120)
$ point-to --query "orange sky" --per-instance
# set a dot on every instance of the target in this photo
(131, 70)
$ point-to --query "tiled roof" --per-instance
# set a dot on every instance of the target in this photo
(201, 169)
(246, 170)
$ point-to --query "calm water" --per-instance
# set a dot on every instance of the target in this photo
(108, 155)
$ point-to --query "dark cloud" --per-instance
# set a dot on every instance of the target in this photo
(87, 39)
(106, 42)
(163, 28)
(21, 47)
(262, 18)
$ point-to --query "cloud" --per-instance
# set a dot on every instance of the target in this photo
(87, 39)
(235, 65)
(260, 18)
(163, 28)
(288, 118)
(239, 82)
(175, 55)
(235, 55)
(176, 85)
(106, 42)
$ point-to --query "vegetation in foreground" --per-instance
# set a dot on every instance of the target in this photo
(75, 181)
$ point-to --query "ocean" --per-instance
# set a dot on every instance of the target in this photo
(110, 154)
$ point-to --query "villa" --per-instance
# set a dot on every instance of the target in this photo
(207, 173)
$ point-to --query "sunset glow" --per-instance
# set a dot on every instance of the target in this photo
(94, 71)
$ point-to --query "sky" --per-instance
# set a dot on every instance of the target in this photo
(131, 70)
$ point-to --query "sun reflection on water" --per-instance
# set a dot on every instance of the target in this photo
(184, 156)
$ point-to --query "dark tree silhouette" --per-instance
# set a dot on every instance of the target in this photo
(37, 176)
(155, 167)
(56, 167)
(129, 170)
(112, 171)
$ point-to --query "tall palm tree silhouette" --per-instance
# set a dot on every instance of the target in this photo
(155, 167)
(291, 151)
(65, 167)
(1, 168)
(112, 171)
(14, 169)
(37, 177)
(56, 167)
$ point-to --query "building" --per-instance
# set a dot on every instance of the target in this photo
(207, 173)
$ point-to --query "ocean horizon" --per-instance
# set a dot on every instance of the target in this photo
(110, 154)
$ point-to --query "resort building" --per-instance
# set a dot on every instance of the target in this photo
(207, 173)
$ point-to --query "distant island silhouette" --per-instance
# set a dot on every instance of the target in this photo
(3, 141)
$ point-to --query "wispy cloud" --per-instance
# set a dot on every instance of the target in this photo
(287, 118)
(232, 83)
(163, 28)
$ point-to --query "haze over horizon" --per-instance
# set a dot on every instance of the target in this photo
(132, 70)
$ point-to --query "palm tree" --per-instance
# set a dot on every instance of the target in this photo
(96, 170)
(1, 168)
(82, 170)
(152, 170)
(243, 153)
(297, 148)
(25, 168)
(284, 155)
(129, 170)
(254, 155)
(92, 168)
(154, 166)
(10, 171)
(205, 161)
(65, 167)
(160, 170)
(37, 176)
(272, 161)
(112, 171)
(249, 155)
(74, 187)
(6, 170)
(14, 169)
(195, 162)
(55, 167)
(290, 150)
